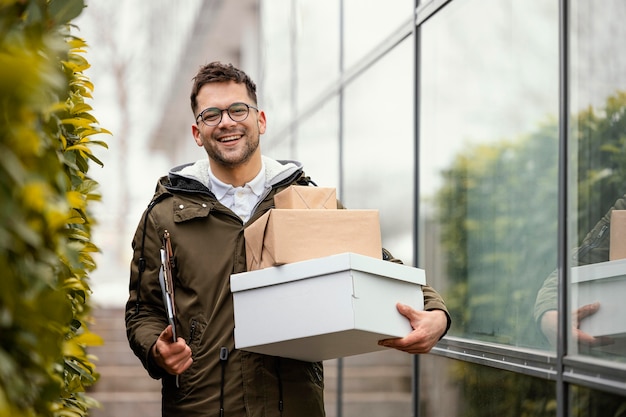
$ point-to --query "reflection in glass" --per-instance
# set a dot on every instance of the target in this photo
(585, 402)
(488, 162)
(598, 176)
(454, 388)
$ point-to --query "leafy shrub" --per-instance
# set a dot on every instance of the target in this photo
(45, 224)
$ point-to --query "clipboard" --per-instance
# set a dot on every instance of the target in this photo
(167, 284)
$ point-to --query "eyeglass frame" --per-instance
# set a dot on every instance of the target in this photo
(227, 110)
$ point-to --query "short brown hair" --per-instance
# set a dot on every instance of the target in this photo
(218, 72)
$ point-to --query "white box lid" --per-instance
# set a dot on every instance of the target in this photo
(599, 270)
(323, 266)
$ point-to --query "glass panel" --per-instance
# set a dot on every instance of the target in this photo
(318, 145)
(585, 402)
(278, 148)
(367, 23)
(275, 83)
(488, 163)
(317, 50)
(378, 162)
(598, 175)
(454, 388)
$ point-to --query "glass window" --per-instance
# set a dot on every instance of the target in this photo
(585, 402)
(318, 145)
(367, 23)
(378, 147)
(598, 177)
(276, 80)
(488, 167)
(453, 388)
(317, 50)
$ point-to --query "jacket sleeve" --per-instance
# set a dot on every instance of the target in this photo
(145, 314)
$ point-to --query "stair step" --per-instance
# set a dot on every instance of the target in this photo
(377, 384)
(126, 379)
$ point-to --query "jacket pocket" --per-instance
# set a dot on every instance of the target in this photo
(197, 325)
(295, 371)
(185, 210)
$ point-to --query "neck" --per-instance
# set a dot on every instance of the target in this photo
(236, 176)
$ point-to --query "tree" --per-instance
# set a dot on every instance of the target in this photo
(498, 214)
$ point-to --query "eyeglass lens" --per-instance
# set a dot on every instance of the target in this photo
(238, 112)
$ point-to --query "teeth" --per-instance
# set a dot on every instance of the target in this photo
(229, 138)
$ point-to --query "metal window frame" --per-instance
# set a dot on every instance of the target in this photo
(562, 367)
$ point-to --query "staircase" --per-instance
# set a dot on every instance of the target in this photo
(124, 388)
(376, 384)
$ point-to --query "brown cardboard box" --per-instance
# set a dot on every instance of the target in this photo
(302, 197)
(617, 248)
(285, 236)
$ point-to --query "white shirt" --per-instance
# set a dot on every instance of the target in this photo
(241, 200)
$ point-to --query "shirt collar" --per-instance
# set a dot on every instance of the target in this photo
(220, 188)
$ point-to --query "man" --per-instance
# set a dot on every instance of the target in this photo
(205, 206)
(593, 249)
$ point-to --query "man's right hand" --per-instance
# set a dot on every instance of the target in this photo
(549, 326)
(174, 357)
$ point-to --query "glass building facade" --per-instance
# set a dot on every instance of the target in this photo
(491, 135)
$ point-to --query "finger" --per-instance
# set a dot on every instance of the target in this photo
(405, 310)
(389, 342)
(587, 310)
(166, 334)
(584, 338)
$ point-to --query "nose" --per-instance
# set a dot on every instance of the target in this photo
(226, 119)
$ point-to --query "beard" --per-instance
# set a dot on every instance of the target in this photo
(232, 157)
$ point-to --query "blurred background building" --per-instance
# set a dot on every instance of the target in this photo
(490, 134)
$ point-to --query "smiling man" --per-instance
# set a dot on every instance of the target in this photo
(203, 208)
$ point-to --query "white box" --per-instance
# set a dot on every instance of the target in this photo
(324, 308)
(603, 282)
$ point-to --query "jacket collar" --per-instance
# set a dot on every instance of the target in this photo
(194, 176)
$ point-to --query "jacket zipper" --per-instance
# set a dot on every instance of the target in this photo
(192, 331)
(223, 360)
(584, 250)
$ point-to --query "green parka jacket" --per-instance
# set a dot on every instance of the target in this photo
(208, 245)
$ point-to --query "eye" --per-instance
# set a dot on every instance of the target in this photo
(238, 109)
(210, 115)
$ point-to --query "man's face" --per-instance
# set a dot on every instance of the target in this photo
(229, 143)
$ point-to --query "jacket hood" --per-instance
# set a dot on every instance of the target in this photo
(194, 176)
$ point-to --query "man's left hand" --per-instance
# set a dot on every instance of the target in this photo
(428, 327)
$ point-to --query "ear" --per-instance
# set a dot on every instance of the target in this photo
(261, 122)
(195, 131)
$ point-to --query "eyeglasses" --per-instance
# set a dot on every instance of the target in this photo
(238, 112)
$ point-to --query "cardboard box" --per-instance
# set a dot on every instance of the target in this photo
(605, 283)
(292, 235)
(325, 308)
(617, 247)
(301, 197)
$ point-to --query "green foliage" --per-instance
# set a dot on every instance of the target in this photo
(498, 218)
(601, 160)
(498, 214)
(45, 225)
(492, 392)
